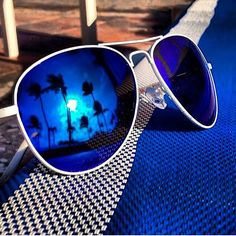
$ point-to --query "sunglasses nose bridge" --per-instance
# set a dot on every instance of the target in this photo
(154, 93)
(138, 52)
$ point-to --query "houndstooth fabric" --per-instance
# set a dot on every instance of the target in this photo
(47, 203)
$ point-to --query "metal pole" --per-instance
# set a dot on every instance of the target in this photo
(9, 28)
(88, 16)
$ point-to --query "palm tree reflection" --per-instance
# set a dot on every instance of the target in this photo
(84, 123)
(36, 126)
(36, 91)
(97, 106)
(87, 88)
(57, 85)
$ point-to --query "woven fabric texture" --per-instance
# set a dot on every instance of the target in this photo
(183, 179)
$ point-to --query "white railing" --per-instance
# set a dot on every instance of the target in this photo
(88, 17)
(10, 42)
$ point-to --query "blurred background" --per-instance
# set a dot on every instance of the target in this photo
(43, 27)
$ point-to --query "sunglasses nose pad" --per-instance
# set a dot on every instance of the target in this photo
(155, 95)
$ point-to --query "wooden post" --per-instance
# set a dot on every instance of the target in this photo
(88, 16)
(9, 28)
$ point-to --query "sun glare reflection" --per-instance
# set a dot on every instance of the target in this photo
(72, 104)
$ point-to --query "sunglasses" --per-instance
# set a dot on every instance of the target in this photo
(76, 107)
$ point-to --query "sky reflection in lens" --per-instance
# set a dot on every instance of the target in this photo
(77, 107)
(186, 74)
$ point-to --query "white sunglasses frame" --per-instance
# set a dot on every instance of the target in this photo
(13, 110)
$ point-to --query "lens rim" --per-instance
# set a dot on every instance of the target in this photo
(31, 146)
(169, 92)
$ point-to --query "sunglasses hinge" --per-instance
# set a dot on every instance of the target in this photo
(155, 95)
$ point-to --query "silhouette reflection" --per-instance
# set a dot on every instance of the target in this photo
(77, 107)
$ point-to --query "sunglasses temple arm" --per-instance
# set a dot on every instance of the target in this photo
(8, 111)
(132, 41)
(14, 163)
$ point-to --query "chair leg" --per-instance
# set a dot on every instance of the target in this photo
(88, 16)
(9, 28)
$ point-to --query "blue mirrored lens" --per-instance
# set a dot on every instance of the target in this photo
(187, 75)
(77, 107)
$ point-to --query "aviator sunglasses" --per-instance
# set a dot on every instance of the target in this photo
(76, 107)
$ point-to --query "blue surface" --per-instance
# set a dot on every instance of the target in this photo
(183, 179)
